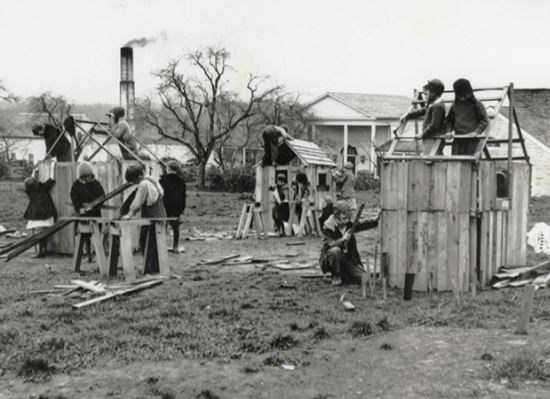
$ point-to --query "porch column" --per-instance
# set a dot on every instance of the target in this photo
(345, 153)
(372, 152)
(313, 133)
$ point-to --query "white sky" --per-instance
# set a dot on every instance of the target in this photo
(387, 46)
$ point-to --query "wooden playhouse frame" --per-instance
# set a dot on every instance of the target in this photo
(453, 221)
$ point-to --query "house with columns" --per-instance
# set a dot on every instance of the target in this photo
(350, 126)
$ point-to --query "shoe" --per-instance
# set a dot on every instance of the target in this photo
(336, 281)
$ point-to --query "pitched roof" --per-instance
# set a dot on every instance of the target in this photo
(379, 106)
(309, 152)
(533, 109)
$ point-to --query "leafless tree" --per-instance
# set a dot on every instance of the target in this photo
(6, 94)
(197, 108)
(56, 108)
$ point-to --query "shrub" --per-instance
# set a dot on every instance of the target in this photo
(366, 181)
(238, 179)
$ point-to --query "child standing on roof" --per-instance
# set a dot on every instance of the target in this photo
(271, 135)
(467, 116)
(434, 116)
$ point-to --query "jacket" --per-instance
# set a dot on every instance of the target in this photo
(84, 193)
(41, 205)
(434, 119)
(62, 150)
(469, 117)
(332, 232)
(174, 194)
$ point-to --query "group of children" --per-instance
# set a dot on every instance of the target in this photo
(467, 117)
(153, 198)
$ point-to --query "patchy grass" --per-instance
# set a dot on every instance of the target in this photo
(36, 370)
(521, 367)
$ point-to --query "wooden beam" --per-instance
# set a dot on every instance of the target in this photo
(110, 295)
(521, 138)
(525, 311)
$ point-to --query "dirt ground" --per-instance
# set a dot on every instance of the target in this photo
(244, 332)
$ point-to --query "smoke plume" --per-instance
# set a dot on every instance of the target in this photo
(145, 41)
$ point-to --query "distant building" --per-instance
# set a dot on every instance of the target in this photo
(354, 124)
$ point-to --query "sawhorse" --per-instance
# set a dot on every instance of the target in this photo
(251, 212)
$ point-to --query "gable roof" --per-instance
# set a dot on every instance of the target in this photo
(309, 152)
(533, 109)
(377, 106)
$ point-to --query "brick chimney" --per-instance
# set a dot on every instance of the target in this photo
(127, 89)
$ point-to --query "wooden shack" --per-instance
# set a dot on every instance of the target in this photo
(110, 174)
(295, 156)
(453, 221)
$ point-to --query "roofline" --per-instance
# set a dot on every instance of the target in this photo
(528, 135)
(329, 94)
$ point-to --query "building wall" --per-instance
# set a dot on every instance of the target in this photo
(28, 149)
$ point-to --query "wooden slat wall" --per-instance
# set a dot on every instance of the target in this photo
(434, 202)
(109, 174)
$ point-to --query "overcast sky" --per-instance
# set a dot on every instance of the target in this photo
(71, 47)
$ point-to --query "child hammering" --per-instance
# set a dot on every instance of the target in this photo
(339, 254)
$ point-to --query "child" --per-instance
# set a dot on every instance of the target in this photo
(345, 185)
(147, 199)
(434, 115)
(174, 198)
(281, 210)
(302, 194)
(121, 130)
(84, 191)
(467, 115)
(339, 254)
(40, 212)
(270, 136)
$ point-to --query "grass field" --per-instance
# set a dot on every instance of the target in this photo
(227, 332)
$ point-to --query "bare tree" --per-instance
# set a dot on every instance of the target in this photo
(279, 108)
(56, 108)
(7, 95)
(199, 110)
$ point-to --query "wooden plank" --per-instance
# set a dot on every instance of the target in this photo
(525, 311)
(110, 295)
(452, 192)
(162, 252)
(483, 249)
(97, 242)
(88, 286)
(465, 186)
(432, 260)
(412, 242)
(401, 259)
(401, 188)
(524, 214)
(491, 269)
(421, 279)
(473, 272)
(497, 242)
(441, 250)
(439, 186)
(464, 252)
(419, 181)
(389, 238)
(387, 200)
(126, 252)
(77, 256)
(241, 221)
(248, 221)
(453, 238)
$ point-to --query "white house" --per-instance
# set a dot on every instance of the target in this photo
(351, 125)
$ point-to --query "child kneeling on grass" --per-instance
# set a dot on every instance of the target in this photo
(339, 255)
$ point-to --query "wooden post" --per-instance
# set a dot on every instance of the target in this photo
(97, 243)
(523, 318)
(241, 221)
(114, 249)
(162, 252)
(126, 252)
(510, 133)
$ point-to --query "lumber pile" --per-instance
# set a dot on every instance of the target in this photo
(513, 277)
(87, 293)
(198, 235)
(277, 262)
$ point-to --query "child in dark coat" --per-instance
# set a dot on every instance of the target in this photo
(84, 191)
(40, 212)
(174, 199)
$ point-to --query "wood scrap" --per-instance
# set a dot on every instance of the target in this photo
(312, 276)
(294, 243)
(114, 294)
(89, 286)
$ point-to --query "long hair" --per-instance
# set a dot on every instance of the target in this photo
(463, 89)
